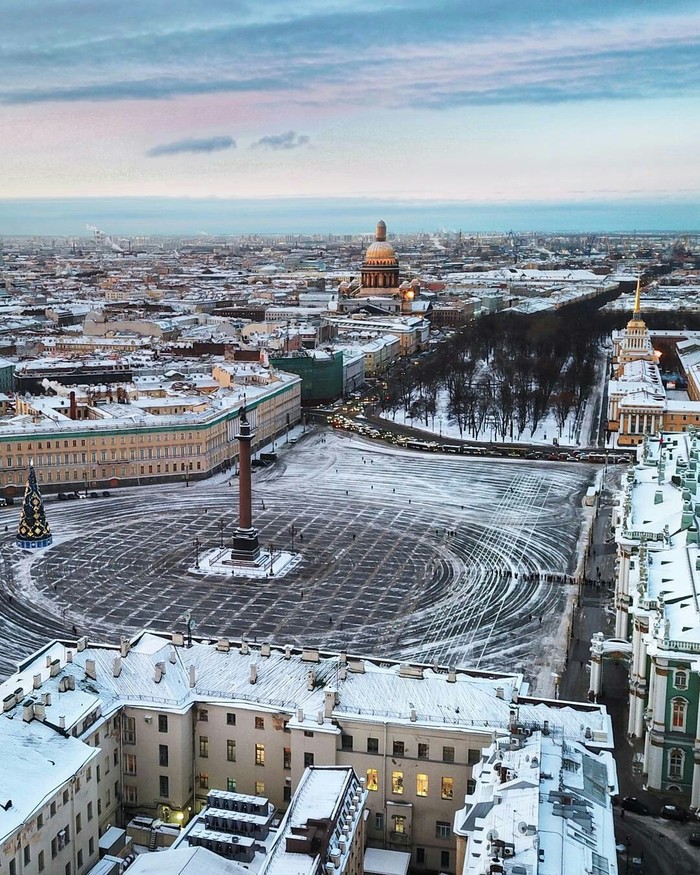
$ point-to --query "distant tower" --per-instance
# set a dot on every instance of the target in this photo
(33, 528)
(245, 538)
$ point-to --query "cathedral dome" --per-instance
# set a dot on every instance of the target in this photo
(380, 252)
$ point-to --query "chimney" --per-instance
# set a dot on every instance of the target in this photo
(287, 651)
(48, 661)
(253, 673)
(117, 666)
(61, 721)
(90, 669)
(39, 711)
(223, 645)
(82, 643)
(36, 682)
(499, 692)
(158, 672)
(265, 648)
(310, 680)
(335, 855)
(55, 667)
(329, 702)
(451, 676)
(46, 699)
(192, 676)
(70, 682)
(343, 658)
(319, 718)
(300, 715)
(124, 647)
(245, 650)
(172, 656)
(73, 406)
(69, 656)
(28, 711)
(414, 716)
(9, 702)
(343, 673)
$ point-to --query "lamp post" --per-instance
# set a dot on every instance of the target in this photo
(196, 552)
(292, 532)
(272, 559)
(85, 479)
(221, 534)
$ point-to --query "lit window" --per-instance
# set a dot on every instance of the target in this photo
(259, 754)
(399, 824)
(231, 750)
(372, 779)
(203, 746)
(421, 785)
(397, 782)
(679, 709)
(231, 785)
(259, 788)
(447, 788)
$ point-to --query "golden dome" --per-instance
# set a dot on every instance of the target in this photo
(380, 252)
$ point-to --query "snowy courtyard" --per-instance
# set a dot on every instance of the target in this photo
(416, 556)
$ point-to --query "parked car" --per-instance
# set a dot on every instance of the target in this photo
(94, 495)
(62, 496)
(105, 493)
(674, 812)
(694, 838)
(631, 803)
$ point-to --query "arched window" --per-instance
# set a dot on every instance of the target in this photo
(680, 680)
(679, 712)
(676, 760)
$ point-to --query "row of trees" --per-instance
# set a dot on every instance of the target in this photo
(504, 373)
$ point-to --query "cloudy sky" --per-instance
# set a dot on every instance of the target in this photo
(495, 102)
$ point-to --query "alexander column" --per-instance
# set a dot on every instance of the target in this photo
(245, 538)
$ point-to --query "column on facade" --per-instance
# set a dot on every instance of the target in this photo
(595, 685)
(638, 681)
(622, 593)
(621, 427)
(654, 757)
(695, 787)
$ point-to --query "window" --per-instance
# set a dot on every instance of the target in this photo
(115, 757)
(204, 781)
(397, 782)
(80, 858)
(130, 795)
(52, 809)
(130, 762)
(66, 797)
(287, 758)
(78, 823)
(41, 861)
(162, 723)
(89, 812)
(676, 761)
(679, 709)
(204, 746)
(308, 760)
(162, 755)
(27, 855)
(398, 749)
(308, 733)
(259, 788)
(442, 829)
(680, 680)
(259, 722)
(91, 846)
(423, 754)
(231, 785)
(230, 719)
(259, 754)
(40, 821)
(13, 867)
(420, 856)
(471, 786)
(164, 787)
(447, 788)
(448, 754)
(372, 779)
(231, 750)
(421, 785)
(473, 757)
(286, 794)
(203, 715)
(372, 745)
(399, 824)
(88, 774)
(346, 742)
(444, 859)
(98, 774)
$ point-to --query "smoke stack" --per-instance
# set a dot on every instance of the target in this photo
(73, 406)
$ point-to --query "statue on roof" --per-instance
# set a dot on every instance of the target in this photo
(34, 530)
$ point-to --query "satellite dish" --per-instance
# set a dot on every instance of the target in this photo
(522, 827)
(492, 835)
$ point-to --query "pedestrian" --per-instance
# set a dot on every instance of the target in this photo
(540, 621)
(330, 621)
(302, 593)
(622, 813)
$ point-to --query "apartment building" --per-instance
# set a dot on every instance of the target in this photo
(172, 722)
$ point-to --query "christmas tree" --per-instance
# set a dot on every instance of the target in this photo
(34, 530)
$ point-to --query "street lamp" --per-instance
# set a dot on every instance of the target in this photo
(221, 534)
(85, 479)
(272, 559)
(196, 552)
(292, 532)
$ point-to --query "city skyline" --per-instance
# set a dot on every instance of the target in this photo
(413, 104)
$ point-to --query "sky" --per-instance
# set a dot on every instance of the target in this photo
(279, 114)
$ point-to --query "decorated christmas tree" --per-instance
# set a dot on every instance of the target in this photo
(34, 530)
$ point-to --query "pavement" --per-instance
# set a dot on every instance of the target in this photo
(661, 845)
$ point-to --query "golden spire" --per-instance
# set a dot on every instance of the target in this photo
(637, 305)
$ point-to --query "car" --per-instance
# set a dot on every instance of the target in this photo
(674, 812)
(71, 496)
(694, 838)
(94, 495)
(105, 493)
(631, 803)
(62, 496)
